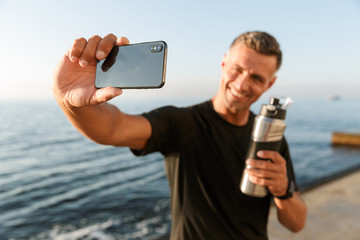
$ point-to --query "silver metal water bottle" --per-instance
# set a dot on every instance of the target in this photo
(267, 134)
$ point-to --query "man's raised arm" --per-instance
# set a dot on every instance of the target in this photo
(86, 106)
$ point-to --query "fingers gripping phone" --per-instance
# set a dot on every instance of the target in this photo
(140, 65)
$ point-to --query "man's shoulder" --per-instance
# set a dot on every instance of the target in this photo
(202, 106)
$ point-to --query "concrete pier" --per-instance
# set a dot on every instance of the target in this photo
(333, 212)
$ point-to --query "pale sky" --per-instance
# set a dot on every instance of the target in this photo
(320, 40)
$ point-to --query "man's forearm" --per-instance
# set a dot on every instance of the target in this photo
(106, 124)
(292, 212)
(95, 122)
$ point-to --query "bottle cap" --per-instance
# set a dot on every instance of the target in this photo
(273, 110)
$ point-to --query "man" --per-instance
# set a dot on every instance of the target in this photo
(204, 145)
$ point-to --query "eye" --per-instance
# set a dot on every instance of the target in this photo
(239, 70)
(235, 70)
(258, 78)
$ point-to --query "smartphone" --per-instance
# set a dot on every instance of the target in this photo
(140, 65)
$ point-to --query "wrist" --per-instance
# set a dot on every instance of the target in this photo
(289, 192)
(285, 196)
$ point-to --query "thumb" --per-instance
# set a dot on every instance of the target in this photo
(106, 94)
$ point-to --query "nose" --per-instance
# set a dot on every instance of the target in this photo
(243, 82)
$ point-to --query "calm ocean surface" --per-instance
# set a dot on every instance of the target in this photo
(56, 184)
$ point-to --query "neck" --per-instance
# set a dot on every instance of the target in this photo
(238, 117)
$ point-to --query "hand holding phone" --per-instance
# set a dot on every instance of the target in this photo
(139, 65)
(73, 81)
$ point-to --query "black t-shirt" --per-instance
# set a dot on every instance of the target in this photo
(204, 161)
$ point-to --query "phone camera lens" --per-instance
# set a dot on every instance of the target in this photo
(155, 48)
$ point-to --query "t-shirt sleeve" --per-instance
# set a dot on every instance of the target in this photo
(284, 151)
(165, 130)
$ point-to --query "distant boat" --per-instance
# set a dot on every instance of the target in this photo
(335, 97)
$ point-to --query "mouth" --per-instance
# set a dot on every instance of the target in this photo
(237, 94)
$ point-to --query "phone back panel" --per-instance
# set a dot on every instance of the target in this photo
(139, 65)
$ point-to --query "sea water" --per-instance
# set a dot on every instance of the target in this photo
(56, 184)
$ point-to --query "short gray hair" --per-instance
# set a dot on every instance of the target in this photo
(262, 43)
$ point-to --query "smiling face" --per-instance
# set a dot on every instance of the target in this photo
(246, 75)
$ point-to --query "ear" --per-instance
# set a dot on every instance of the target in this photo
(272, 81)
(223, 61)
